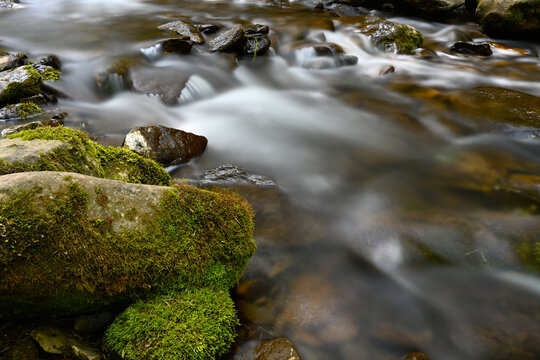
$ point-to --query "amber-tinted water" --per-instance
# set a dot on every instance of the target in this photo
(408, 216)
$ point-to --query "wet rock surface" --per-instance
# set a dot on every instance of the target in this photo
(249, 40)
(166, 85)
(465, 48)
(509, 17)
(230, 40)
(59, 342)
(185, 29)
(180, 45)
(276, 349)
(165, 145)
(11, 61)
(18, 83)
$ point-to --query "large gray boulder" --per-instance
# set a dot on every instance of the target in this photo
(510, 17)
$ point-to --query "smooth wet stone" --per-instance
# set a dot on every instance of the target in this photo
(11, 61)
(327, 49)
(257, 44)
(467, 48)
(165, 83)
(276, 349)
(184, 28)
(385, 70)
(115, 77)
(52, 340)
(230, 40)
(27, 152)
(85, 351)
(181, 45)
(510, 17)
(165, 145)
(18, 83)
(387, 35)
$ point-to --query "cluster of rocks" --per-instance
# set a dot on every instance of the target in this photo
(23, 85)
(507, 18)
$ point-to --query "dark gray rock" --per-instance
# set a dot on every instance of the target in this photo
(184, 28)
(233, 175)
(256, 44)
(180, 45)
(12, 61)
(231, 40)
(255, 29)
(165, 145)
(467, 48)
(52, 61)
(208, 28)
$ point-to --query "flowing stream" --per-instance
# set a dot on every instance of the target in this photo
(407, 213)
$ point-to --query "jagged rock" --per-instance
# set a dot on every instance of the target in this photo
(232, 175)
(19, 83)
(466, 48)
(165, 145)
(186, 29)
(256, 44)
(510, 17)
(231, 40)
(11, 61)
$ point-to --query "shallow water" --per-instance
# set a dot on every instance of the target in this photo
(405, 221)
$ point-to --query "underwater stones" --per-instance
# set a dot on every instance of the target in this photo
(387, 35)
(179, 45)
(165, 145)
(276, 349)
(11, 61)
(510, 17)
(198, 324)
(164, 83)
(115, 77)
(111, 241)
(467, 48)
(63, 149)
(184, 29)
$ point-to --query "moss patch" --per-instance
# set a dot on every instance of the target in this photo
(15, 90)
(27, 109)
(51, 74)
(195, 324)
(191, 238)
(405, 38)
(85, 156)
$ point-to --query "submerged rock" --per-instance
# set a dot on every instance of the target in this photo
(388, 35)
(8, 62)
(466, 48)
(164, 83)
(111, 242)
(64, 149)
(165, 145)
(186, 29)
(510, 17)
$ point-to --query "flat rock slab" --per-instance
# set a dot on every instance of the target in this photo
(27, 152)
(185, 29)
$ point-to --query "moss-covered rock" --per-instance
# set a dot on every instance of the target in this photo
(19, 83)
(510, 17)
(19, 111)
(387, 35)
(72, 243)
(195, 324)
(73, 151)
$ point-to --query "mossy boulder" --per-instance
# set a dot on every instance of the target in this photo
(510, 17)
(19, 83)
(72, 243)
(64, 149)
(387, 35)
(19, 111)
(195, 324)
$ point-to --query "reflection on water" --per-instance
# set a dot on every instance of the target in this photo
(407, 216)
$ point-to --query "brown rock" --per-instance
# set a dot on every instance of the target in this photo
(416, 356)
(165, 145)
(184, 28)
(276, 349)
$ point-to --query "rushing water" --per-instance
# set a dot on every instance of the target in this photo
(400, 217)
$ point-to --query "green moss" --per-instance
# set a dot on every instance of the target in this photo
(51, 74)
(529, 251)
(85, 156)
(27, 109)
(196, 324)
(15, 91)
(192, 238)
(406, 39)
